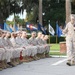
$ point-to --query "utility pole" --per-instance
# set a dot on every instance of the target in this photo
(40, 12)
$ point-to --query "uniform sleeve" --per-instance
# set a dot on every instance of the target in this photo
(29, 41)
(65, 30)
(1, 43)
(37, 41)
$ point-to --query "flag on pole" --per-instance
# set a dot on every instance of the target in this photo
(7, 28)
(41, 28)
(16, 27)
(58, 30)
(51, 30)
(31, 27)
(1, 26)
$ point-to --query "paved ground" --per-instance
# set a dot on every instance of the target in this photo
(48, 66)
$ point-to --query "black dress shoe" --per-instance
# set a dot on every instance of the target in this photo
(9, 66)
(9, 63)
(69, 64)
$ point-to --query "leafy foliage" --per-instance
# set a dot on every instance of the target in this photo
(8, 7)
(53, 10)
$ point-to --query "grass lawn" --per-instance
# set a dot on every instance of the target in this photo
(55, 47)
(55, 50)
(57, 53)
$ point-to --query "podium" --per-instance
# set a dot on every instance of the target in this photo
(63, 48)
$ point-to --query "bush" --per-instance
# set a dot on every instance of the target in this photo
(54, 39)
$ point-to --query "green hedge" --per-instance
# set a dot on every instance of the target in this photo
(54, 39)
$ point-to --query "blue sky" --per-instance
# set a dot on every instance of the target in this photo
(22, 16)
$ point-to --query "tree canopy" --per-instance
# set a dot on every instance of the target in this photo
(8, 7)
(52, 9)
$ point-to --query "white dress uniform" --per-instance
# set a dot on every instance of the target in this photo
(70, 41)
(41, 46)
(32, 49)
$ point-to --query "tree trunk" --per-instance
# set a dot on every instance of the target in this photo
(1, 18)
(68, 10)
(40, 12)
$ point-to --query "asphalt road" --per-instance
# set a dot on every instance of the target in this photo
(47, 66)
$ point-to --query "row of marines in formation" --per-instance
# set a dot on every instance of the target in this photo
(15, 48)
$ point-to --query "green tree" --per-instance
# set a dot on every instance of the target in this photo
(8, 7)
(53, 10)
(31, 7)
(18, 20)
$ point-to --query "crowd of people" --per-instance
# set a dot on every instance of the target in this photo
(16, 48)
